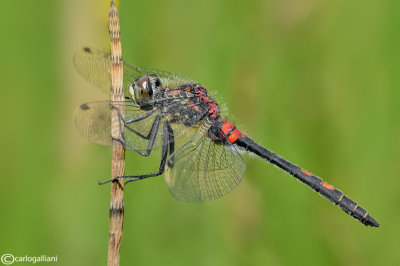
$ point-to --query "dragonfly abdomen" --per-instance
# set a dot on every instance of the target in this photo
(334, 195)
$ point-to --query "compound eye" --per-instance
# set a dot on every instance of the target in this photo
(141, 89)
(147, 87)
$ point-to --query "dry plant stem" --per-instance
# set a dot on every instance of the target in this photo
(118, 152)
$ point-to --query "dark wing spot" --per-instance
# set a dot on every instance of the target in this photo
(87, 49)
(84, 107)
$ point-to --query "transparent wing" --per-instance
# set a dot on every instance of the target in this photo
(203, 170)
(93, 121)
(94, 66)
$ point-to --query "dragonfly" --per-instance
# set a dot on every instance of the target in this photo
(200, 151)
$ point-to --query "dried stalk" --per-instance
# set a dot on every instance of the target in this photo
(118, 152)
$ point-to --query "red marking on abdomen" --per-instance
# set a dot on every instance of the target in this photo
(305, 172)
(327, 186)
(228, 131)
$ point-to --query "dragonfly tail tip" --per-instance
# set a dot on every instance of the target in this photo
(369, 221)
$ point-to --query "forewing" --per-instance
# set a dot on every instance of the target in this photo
(94, 66)
(93, 121)
(203, 170)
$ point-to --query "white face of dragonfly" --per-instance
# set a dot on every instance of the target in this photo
(145, 88)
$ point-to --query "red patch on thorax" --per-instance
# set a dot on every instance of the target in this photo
(213, 109)
(193, 106)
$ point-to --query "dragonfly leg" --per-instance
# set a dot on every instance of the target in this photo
(152, 138)
(134, 119)
(139, 117)
(171, 147)
(164, 152)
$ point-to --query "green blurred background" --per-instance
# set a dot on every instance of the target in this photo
(315, 81)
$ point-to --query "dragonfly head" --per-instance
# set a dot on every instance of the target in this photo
(145, 88)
